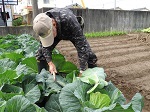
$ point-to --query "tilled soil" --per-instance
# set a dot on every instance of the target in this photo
(125, 59)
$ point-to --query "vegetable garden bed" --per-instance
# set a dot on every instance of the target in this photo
(24, 90)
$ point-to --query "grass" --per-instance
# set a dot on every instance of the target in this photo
(146, 30)
(104, 34)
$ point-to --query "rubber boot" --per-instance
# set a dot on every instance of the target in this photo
(92, 60)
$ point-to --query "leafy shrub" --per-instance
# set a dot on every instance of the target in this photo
(17, 22)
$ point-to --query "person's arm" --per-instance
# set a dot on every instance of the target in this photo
(47, 53)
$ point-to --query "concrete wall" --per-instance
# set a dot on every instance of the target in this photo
(16, 30)
(112, 20)
(99, 20)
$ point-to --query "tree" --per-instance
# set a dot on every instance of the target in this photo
(35, 8)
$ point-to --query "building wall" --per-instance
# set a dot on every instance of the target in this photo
(1, 21)
(9, 21)
(41, 3)
(8, 9)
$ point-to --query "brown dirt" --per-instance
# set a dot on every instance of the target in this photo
(125, 59)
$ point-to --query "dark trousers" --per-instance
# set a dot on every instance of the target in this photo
(42, 64)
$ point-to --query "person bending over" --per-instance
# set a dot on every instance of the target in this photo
(61, 24)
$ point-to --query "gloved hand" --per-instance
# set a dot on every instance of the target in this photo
(52, 69)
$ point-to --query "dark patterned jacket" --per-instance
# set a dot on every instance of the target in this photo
(68, 28)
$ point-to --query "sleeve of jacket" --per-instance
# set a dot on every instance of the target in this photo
(47, 51)
(83, 50)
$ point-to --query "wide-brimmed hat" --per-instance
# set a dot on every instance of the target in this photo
(42, 25)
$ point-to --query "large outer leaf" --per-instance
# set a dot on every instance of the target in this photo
(2, 105)
(32, 92)
(58, 60)
(62, 65)
(137, 102)
(115, 94)
(112, 108)
(72, 76)
(47, 82)
(31, 89)
(16, 57)
(29, 79)
(81, 91)
(31, 62)
(7, 76)
(8, 91)
(19, 104)
(99, 72)
(43, 76)
(7, 63)
(68, 67)
(68, 101)
(38, 109)
(72, 95)
(29, 51)
(53, 104)
(2, 69)
(96, 74)
(1, 51)
(23, 69)
(9, 47)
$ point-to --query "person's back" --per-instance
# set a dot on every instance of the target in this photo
(67, 23)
